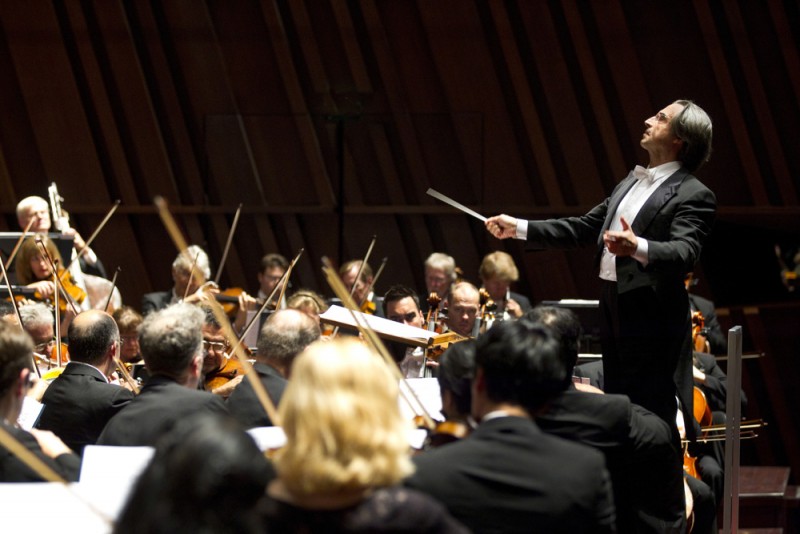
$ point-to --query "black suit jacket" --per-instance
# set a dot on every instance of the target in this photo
(155, 301)
(675, 221)
(509, 476)
(243, 404)
(79, 403)
(13, 470)
(644, 462)
(161, 403)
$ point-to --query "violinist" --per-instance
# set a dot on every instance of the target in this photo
(284, 335)
(308, 302)
(35, 271)
(221, 371)
(463, 308)
(456, 367)
(363, 293)
(81, 400)
(273, 268)
(498, 271)
(15, 357)
(191, 271)
(37, 208)
(401, 305)
(128, 321)
(39, 323)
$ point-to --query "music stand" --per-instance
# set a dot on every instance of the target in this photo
(8, 240)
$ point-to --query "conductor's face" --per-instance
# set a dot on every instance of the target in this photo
(658, 136)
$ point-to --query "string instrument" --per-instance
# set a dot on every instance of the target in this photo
(699, 333)
(439, 344)
(231, 368)
(229, 298)
(369, 306)
(447, 432)
(702, 414)
(485, 303)
(432, 319)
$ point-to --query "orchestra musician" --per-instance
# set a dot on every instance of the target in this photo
(16, 378)
(346, 450)
(37, 209)
(285, 334)
(363, 293)
(508, 475)
(497, 272)
(309, 302)
(648, 234)
(463, 309)
(638, 446)
(273, 268)
(80, 401)
(38, 321)
(221, 372)
(191, 270)
(440, 273)
(172, 348)
(401, 305)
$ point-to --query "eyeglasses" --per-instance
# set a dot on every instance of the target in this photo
(407, 318)
(44, 346)
(216, 346)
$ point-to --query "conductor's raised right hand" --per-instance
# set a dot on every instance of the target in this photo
(502, 226)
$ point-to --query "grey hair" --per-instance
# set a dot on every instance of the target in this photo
(36, 314)
(285, 335)
(692, 126)
(184, 260)
(171, 338)
(438, 260)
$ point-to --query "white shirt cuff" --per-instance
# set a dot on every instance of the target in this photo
(641, 251)
(522, 229)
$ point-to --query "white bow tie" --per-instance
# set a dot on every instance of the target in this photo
(640, 173)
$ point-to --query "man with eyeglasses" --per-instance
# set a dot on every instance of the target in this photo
(216, 353)
(79, 403)
(38, 322)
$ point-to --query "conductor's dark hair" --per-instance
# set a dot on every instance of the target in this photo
(456, 369)
(207, 476)
(565, 323)
(521, 364)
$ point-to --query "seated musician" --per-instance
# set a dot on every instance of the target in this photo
(15, 379)
(364, 292)
(309, 302)
(221, 371)
(38, 321)
(508, 475)
(285, 334)
(273, 268)
(191, 270)
(128, 321)
(80, 401)
(464, 302)
(346, 450)
(207, 475)
(172, 348)
(455, 372)
(440, 273)
(401, 305)
(642, 456)
(498, 271)
(38, 209)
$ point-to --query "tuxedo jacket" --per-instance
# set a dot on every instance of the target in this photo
(155, 301)
(161, 403)
(523, 301)
(644, 462)
(13, 470)
(509, 476)
(79, 403)
(243, 404)
(675, 220)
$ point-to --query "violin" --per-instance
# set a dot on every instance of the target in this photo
(231, 368)
(447, 432)
(699, 333)
(702, 414)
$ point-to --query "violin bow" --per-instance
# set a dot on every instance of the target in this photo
(113, 286)
(191, 275)
(374, 280)
(228, 244)
(373, 340)
(363, 263)
(19, 315)
(92, 237)
(126, 375)
(18, 244)
(252, 376)
(173, 231)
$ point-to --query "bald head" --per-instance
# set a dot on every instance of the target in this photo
(285, 334)
(93, 338)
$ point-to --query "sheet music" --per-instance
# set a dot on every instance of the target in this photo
(385, 328)
(31, 408)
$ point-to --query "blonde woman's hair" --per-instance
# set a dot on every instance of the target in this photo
(499, 265)
(342, 421)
